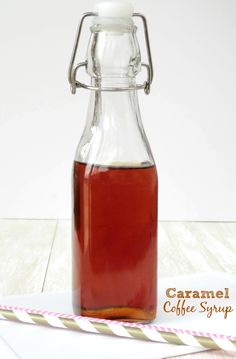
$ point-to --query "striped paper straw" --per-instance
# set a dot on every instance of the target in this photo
(148, 332)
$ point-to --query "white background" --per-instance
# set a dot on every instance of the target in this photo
(189, 116)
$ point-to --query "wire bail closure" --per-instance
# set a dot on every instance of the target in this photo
(74, 68)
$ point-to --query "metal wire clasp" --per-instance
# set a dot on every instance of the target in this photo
(74, 68)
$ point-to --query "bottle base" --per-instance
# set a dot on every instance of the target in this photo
(123, 314)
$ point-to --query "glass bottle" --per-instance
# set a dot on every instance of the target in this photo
(114, 182)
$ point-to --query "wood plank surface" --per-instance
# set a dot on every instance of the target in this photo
(191, 247)
(25, 246)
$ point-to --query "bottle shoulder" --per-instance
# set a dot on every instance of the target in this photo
(114, 132)
(112, 148)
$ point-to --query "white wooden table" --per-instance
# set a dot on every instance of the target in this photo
(35, 255)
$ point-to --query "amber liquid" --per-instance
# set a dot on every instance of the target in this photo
(115, 242)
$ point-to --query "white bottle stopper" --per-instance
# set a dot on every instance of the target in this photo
(114, 8)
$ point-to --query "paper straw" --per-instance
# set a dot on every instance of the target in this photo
(148, 332)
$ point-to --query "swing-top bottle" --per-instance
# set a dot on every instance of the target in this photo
(114, 176)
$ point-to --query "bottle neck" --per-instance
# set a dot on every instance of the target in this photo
(113, 51)
(115, 109)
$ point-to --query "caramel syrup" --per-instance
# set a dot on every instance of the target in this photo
(115, 242)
